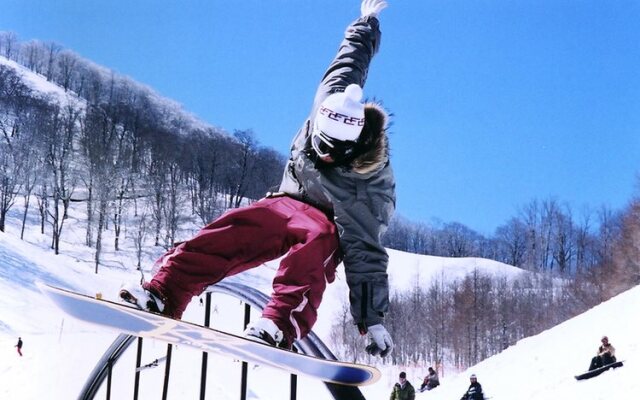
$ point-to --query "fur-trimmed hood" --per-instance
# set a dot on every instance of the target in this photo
(373, 143)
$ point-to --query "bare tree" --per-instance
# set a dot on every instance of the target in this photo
(52, 53)
(243, 166)
(10, 171)
(564, 240)
(437, 318)
(13, 104)
(173, 203)
(58, 138)
(512, 241)
(33, 56)
(609, 222)
(139, 235)
(67, 61)
(626, 258)
(202, 170)
(584, 243)
(459, 241)
(8, 44)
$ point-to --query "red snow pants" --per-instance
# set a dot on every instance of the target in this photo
(247, 237)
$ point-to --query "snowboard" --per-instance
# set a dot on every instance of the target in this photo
(126, 319)
(598, 371)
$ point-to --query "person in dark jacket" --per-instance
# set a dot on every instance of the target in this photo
(606, 355)
(474, 392)
(430, 381)
(18, 346)
(334, 203)
(403, 390)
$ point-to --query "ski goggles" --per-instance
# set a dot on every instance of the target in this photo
(326, 146)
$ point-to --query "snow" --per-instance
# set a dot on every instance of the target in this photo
(39, 84)
(59, 352)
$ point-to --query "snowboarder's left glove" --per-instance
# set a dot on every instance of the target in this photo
(381, 342)
(372, 7)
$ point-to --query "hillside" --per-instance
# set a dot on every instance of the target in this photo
(59, 352)
(543, 366)
(51, 339)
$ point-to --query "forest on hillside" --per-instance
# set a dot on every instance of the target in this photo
(109, 141)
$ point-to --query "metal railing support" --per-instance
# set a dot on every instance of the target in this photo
(205, 355)
(136, 383)
(311, 345)
(167, 372)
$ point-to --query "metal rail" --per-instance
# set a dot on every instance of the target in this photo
(310, 345)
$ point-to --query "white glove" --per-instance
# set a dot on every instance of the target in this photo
(372, 7)
(381, 342)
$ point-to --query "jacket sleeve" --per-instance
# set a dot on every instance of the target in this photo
(612, 350)
(351, 63)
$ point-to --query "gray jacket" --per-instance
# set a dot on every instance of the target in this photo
(359, 195)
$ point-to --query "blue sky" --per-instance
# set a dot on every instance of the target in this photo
(496, 103)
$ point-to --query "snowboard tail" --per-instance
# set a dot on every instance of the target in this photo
(133, 321)
(598, 371)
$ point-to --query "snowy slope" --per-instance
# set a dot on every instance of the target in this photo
(44, 88)
(60, 352)
(41, 86)
(543, 366)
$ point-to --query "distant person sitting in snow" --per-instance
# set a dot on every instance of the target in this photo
(430, 381)
(475, 390)
(333, 205)
(403, 390)
(606, 355)
(19, 346)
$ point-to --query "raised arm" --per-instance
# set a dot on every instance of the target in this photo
(351, 63)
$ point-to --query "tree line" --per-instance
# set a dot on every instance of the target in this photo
(544, 236)
(108, 142)
(461, 322)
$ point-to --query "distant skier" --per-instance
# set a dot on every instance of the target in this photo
(475, 390)
(19, 346)
(403, 390)
(430, 381)
(334, 203)
(606, 355)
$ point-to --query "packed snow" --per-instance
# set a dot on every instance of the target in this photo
(60, 352)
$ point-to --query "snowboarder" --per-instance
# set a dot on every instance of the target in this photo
(430, 381)
(474, 392)
(334, 203)
(403, 390)
(18, 346)
(606, 355)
